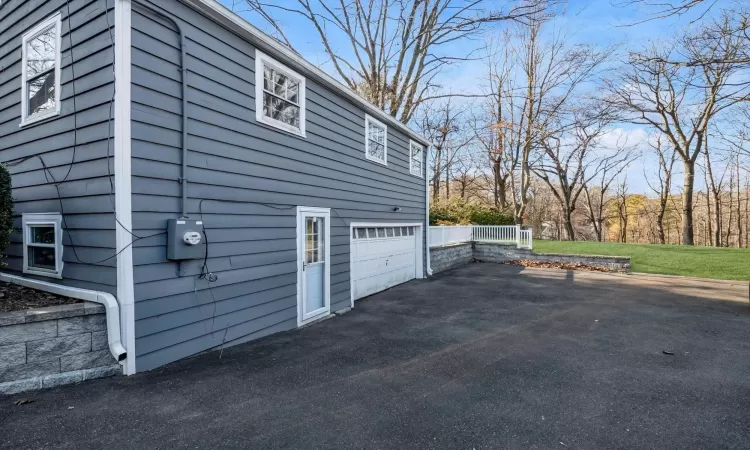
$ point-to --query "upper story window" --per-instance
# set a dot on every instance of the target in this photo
(279, 95)
(40, 73)
(42, 244)
(415, 159)
(376, 142)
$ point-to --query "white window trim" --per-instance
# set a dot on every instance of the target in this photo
(260, 60)
(412, 171)
(31, 34)
(46, 219)
(368, 120)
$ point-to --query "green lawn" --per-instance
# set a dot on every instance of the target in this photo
(703, 262)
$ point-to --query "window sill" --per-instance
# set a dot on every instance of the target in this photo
(42, 273)
(379, 161)
(38, 119)
(281, 126)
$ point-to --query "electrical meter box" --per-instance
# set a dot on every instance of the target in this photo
(185, 239)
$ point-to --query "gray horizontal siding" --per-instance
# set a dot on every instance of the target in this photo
(73, 143)
(250, 178)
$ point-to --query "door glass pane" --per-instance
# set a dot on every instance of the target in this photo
(404, 231)
(411, 231)
(381, 232)
(397, 231)
(42, 257)
(320, 241)
(389, 232)
(361, 233)
(371, 233)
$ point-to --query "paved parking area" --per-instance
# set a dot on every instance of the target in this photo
(484, 356)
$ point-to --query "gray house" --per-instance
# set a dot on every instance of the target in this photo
(168, 154)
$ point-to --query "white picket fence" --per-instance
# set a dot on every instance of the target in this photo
(499, 234)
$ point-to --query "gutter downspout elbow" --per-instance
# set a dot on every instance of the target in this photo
(111, 307)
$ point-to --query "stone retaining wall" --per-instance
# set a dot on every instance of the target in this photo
(450, 256)
(443, 258)
(502, 253)
(48, 347)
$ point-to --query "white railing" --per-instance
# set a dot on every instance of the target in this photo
(443, 235)
(500, 234)
(496, 233)
(525, 240)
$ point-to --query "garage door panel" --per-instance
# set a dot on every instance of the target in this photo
(382, 257)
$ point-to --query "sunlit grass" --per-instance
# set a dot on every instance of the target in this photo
(703, 262)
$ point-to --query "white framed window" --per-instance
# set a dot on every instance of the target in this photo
(279, 95)
(416, 159)
(42, 244)
(376, 141)
(40, 71)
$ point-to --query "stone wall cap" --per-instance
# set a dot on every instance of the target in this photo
(50, 313)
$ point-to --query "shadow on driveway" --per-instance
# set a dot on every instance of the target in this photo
(484, 356)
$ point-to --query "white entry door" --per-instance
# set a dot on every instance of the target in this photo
(383, 256)
(313, 236)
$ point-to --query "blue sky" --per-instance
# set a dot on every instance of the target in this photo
(600, 22)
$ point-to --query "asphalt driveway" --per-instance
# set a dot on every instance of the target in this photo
(485, 356)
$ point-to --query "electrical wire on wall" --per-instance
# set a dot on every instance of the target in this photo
(49, 177)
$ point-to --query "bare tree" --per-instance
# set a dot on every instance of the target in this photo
(442, 124)
(621, 196)
(667, 157)
(680, 102)
(716, 186)
(390, 51)
(466, 174)
(568, 152)
(534, 79)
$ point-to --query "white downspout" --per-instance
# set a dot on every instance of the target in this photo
(108, 300)
(427, 210)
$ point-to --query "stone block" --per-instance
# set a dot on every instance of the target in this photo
(81, 324)
(12, 317)
(12, 355)
(102, 372)
(99, 340)
(18, 386)
(61, 379)
(86, 360)
(94, 308)
(35, 369)
(57, 347)
(22, 332)
(54, 312)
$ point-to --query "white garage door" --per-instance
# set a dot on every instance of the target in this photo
(382, 257)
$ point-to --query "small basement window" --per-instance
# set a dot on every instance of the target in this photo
(40, 74)
(376, 141)
(42, 244)
(279, 95)
(415, 159)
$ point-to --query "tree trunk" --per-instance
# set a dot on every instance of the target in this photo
(660, 227)
(687, 204)
(708, 218)
(569, 231)
(739, 208)
(717, 218)
(447, 178)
